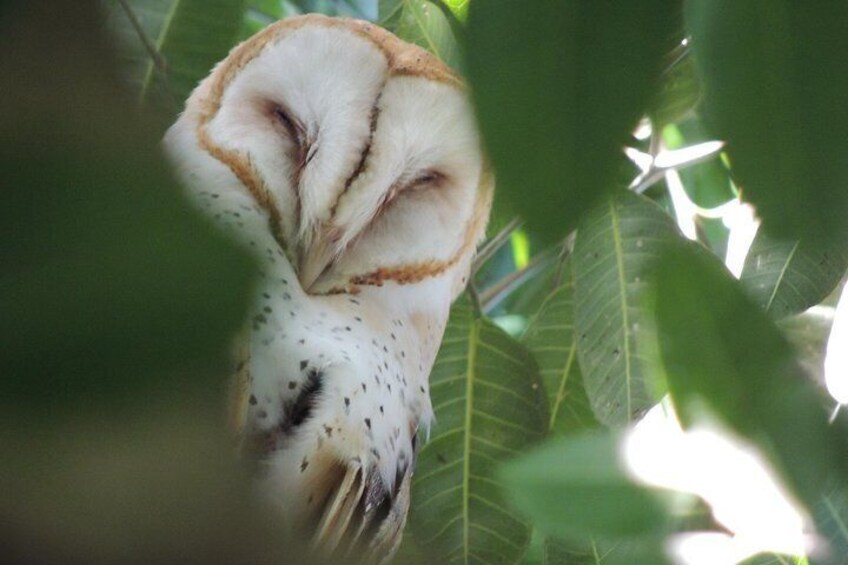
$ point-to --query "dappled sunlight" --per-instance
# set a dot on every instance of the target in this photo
(730, 475)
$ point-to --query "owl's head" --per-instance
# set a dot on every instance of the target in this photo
(360, 147)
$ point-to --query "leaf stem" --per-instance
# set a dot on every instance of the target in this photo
(158, 61)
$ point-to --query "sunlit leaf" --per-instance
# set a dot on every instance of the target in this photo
(458, 7)
(552, 340)
(721, 351)
(775, 76)
(616, 247)
(489, 406)
(787, 277)
(423, 23)
(559, 86)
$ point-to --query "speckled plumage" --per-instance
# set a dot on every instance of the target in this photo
(348, 162)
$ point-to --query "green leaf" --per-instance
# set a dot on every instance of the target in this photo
(190, 36)
(787, 277)
(615, 249)
(489, 406)
(559, 86)
(552, 340)
(721, 351)
(423, 23)
(775, 76)
(577, 488)
(108, 272)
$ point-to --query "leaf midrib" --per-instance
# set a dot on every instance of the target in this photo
(160, 41)
(622, 284)
(469, 403)
(781, 276)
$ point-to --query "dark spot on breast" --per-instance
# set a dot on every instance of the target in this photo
(303, 465)
(368, 423)
(301, 408)
(303, 364)
(252, 400)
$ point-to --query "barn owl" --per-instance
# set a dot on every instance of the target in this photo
(348, 162)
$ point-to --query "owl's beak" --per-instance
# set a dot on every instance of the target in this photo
(314, 261)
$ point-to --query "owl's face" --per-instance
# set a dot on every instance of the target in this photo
(349, 162)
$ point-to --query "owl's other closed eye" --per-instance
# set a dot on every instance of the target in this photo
(349, 163)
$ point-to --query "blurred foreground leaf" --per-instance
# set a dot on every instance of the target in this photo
(720, 351)
(775, 76)
(488, 403)
(110, 278)
(577, 488)
(559, 85)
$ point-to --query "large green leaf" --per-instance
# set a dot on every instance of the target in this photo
(559, 85)
(489, 406)
(423, 23)
(190, 36)
(775, 76)
(616, 247)
(108, 272)
(787, 277)
(721, 351)
(552, 340)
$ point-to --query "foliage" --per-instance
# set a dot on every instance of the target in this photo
(108, 274)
